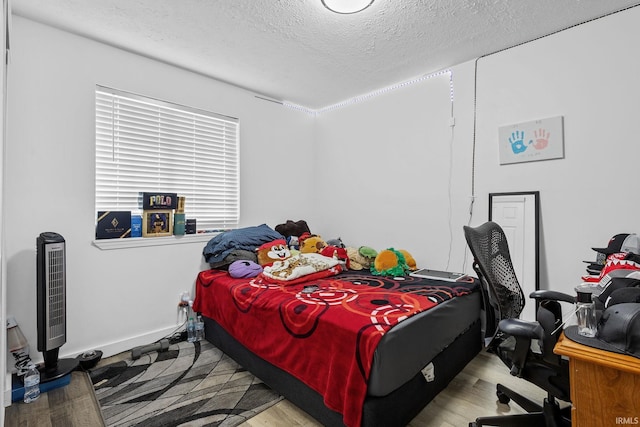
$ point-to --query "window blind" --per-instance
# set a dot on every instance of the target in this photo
(146, 145)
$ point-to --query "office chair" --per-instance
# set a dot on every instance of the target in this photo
(511, 338)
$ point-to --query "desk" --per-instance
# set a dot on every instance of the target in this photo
(605, 386)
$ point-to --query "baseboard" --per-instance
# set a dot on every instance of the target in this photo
(115, 347)
(108, 349)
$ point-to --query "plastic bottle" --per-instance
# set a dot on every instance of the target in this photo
(179, 218)
(18, 347)
(586, 314)
(199, 328)
(191, 330)
(31, 384)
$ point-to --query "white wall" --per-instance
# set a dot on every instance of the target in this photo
(588, 75)
(3, 282)
(383, 164)
(117, 299)
(375, 173)
(384, 169)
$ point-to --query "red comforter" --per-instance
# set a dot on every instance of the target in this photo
(325, 335)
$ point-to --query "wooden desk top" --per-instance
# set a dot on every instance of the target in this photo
(572, 349)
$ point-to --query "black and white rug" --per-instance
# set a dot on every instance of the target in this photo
(190, 384)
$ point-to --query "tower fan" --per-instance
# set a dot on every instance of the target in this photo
(51, 305)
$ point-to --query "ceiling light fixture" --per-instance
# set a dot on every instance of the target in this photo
(346, 7)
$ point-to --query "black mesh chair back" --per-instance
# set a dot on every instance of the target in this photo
(526, 347)
(492, 263)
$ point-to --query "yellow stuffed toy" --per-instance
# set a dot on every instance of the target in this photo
(311, 244)
(411, 262)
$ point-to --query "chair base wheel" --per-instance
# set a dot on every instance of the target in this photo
(502, 397)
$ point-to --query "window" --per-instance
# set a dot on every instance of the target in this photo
(143, 144)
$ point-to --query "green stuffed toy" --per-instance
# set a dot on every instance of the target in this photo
(361, 258)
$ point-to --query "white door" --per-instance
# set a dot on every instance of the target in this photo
(516, 215)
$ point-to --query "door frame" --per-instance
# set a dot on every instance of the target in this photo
(536, 224)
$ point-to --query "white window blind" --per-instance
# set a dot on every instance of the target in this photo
(148, 145)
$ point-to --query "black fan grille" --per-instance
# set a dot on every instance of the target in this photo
(56, 293)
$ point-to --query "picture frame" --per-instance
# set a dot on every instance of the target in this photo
(532, 141)
(157, 222)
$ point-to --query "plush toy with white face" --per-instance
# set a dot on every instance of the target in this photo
(274, 251)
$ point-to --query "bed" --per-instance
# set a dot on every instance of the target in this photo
(349, 348)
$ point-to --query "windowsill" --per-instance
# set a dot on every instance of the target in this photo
(140, 242)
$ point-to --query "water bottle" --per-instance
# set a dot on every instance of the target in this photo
(31, 384)
(586, 314)
(199, 328)
(18, 347)
(191, 330)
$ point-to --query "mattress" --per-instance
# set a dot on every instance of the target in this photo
(395, 409)
(353, 335)
(411, 345)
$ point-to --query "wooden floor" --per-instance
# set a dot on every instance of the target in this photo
(470, 395)
(71, 405)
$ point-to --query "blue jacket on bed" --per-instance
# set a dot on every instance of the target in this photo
(248, 238)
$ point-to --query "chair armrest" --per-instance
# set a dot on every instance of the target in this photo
(521, 328)
(545, 294)
(523, 332)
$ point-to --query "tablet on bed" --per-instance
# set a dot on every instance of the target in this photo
(437, 275)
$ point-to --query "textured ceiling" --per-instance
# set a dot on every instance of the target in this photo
(298, 51)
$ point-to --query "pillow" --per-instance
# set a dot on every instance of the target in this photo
(244, 268)
(234, 255)
(291, 228)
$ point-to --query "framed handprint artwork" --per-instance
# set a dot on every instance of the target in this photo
(531, 141)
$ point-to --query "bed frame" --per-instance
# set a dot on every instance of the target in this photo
(397, 408)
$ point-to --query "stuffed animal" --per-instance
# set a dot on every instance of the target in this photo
(293, 228)
(357, 259)
(336, 242)
(369, 253)
(304, 236)
(244, 268)
(292, 242)
(271, 252)
(390, 262)
(411, 262)
(311, 244)
(336, 252)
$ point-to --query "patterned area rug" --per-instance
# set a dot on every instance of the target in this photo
(190, 384)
